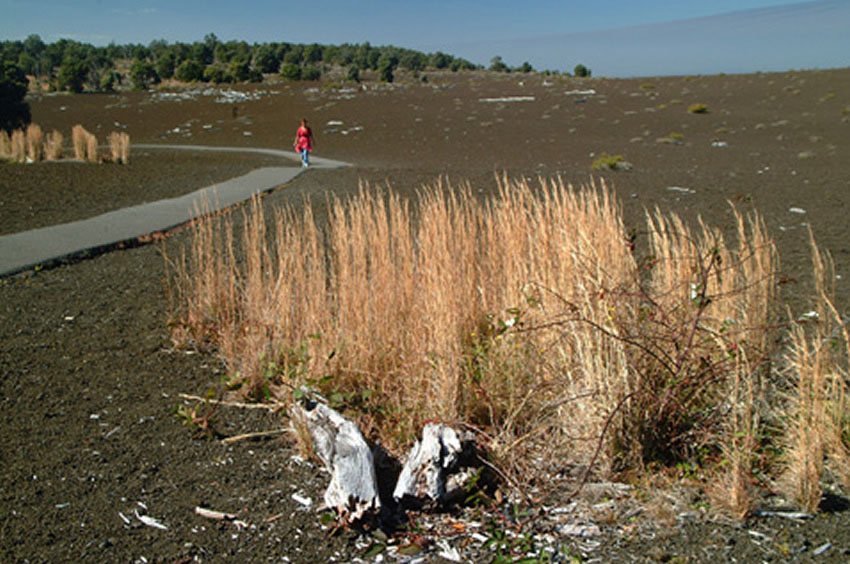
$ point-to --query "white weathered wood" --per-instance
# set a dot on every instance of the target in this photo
(428, 464)
(353, 490)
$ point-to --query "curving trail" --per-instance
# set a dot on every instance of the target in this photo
(79, 239)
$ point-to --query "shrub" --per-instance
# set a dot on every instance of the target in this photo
(609, 162)
(528, 317)
(697, 109)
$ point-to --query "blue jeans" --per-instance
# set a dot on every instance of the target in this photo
(305, 157)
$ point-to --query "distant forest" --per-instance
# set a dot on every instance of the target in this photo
(77, 67)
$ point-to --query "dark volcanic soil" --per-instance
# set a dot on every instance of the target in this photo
(43, 194)
(89, 379)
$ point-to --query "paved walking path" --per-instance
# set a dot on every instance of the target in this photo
(48, 245)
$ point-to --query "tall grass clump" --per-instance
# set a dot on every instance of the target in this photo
(119, 147)
(18, 146)
(529, 317)
(85, 144)
(35, 143)
(817, 434)
(53, 146)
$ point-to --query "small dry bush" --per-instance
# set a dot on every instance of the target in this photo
(78, 139)
(35, 143)
(817, 435)
(53, 146)
(18, 146)
(529, 317)
(119, 147)
(5, 145)
(85, 144)
(91, 148)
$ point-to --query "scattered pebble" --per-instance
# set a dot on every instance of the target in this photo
(507, 99)
(800, 211)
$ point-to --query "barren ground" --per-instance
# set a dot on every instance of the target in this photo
(90, 381)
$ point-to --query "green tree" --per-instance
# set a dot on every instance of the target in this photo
(581, 71)
(290, 71)
(72, 75)
(143, 74)
(498, 65)
(108, 80)
(189, 70)
(217, 74)
(266, 59)
(353, 73)
(311, 72)
(386, 67)
(165, 65)
(525, 67)
(14, 110)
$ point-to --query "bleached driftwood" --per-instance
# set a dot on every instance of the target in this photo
(340, 445)
(431, 460)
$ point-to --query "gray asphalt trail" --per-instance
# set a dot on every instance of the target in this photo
(56, 244)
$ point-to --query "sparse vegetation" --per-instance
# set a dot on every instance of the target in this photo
(697, 109)
(529, 317)
(608, 162)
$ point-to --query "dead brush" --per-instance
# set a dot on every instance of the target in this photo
(54, 146)
(35, 143)
(527, 317)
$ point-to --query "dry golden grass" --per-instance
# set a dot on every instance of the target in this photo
(18, 146)
(79, 142)
(119, 147)
(818, 431)
(85, 144)
(53, 146)
(91, 149)
(528, 317)
(35, 143)
(5, 145)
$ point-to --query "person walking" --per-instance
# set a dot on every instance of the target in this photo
(304, 142)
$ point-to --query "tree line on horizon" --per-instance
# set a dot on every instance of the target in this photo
(68, 65)
(73, 66)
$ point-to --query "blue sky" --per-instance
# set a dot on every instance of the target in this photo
(613, 37)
